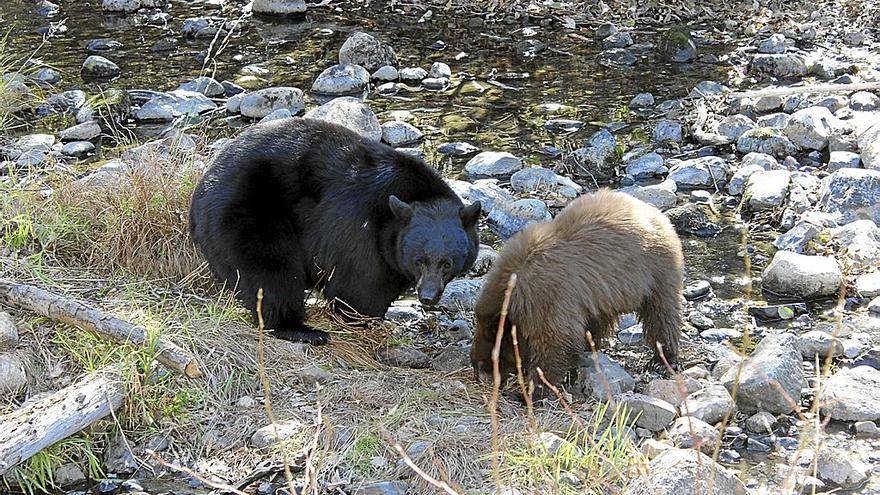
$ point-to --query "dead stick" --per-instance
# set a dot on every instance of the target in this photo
(30, 298)
(30, 429)
(814, 88)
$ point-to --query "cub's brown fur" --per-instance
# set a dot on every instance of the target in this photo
(604, 254)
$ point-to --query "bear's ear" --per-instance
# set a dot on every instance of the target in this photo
(401, 210)
(470, 214)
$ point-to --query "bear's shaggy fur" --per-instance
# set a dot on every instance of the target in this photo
(604, 254)
(297, 203)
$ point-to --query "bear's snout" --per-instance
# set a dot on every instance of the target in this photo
(429, 289)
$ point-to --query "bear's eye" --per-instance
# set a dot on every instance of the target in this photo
(420, 261)
(446, 264)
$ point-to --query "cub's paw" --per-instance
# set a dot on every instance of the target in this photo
(303, 334)
(656, 365)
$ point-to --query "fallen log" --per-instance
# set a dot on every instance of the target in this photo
(812, 88)
(30, 429)
(30, 298)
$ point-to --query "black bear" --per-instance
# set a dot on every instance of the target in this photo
(298, 203)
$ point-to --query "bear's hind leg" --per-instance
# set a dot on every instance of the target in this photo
(661, 319)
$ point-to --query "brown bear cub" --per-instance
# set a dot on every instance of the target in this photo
(605, 254)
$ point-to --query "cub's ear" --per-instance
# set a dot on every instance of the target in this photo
(401, 210)
(470, 214)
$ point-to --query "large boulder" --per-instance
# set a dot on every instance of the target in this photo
(676, 45)
(851, 395)
(368, 52)
(811, 127)
(349, 112)
(685, 472)
(261, 103)
(771, 378)
(800, 275)
(852, 194)
(767, 189)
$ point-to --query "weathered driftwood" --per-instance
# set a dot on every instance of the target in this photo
(30, 429)
(72, 312)
(812, 88)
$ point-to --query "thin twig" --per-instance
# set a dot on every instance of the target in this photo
(421, 473)
(496, 382)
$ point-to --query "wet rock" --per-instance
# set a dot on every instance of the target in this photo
(868, 285)
(609, 380)
(869, 144)
(404, 357)
(786, 65)
(700, 172)
(81, 132)
(708, 88)
(533, 179)
(207, 86)
(617, 40)
(617, 57)
(460, 295)
(68, 475)
(774, 120)
(839, 467)
(851, 194)
(278, 432)
(563, 125)
(818, 343)
(457, 149)
(765, 140)
(710, 404)
(672, 391)
(693, 219)
(774, 44)
(366, 51)
(667, 131)
(385, 73)
(650, 412)
(383, 488)
(493, 164)
(774, 364)
(843, 159)
(685, 472)
(796, 238)
(811, 127)
(851, 395)
(506, 219)
(13, 377)
(435, 83)
(341, 79)
(77, 149)
(279, 7)
(688, 432)
(642, 100)
(605, 30)
(281, 113)
(864, 101)
(761, 422)
(8, 332)
(398, 133)
(733, 126)
(697, 290)
(174, 104)
(349, 112)
(802, 276)
(96, 66)
(120, 5)
(661, 196)
(118, 456)
(597, 158)
(67, 101)
(645, 166)
(412, 74)
(440, 70)
(767, 189)
(453, 358)
(676, 45)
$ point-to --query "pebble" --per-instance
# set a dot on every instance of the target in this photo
(667, 131)
(440, 70)
(81, 132)
(697, 290)
(642, 100)
(77, 149)
(412, 74)
(397, 133)
(98, 67)
(761, 422)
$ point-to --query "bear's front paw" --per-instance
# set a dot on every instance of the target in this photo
(305, 334)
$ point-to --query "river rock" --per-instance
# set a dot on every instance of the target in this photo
(646, 166)
(609, 380)
(486, 191)
(13, 377)
(818, 343)
(506, 219)
(8, 332)
(785, 65)
(864, 101)
(803, 276)
(852, 194)
(671, 390)
(642, 100)
(398, 133)
(174, 104)
(667, 131)
(460, 294)
(533, 179)
(440, 70)
(676, 45)
(692, 218)
(843, 159)
(453, 358)
(774, 44)
(839, 467)
(851, 394)
(96, 66)
(597, 158)
(768, 103)
(207, 86)
(869, 145)
(765, 140)
(493, 164)
(385, 73)
(651, 413)
(366, 51)
(125, 6)
(457, 149)
(277, 432)
(868, 284)
(349, 112)
(739, 179)
(404, 357)
(617, 40)
(811, 127)
(733, 126)
(616, 57)
(700, 172)
(68, 475)
(341, 79)
(761, 422)
(688, 432)
(860, 242)
(412, 74)
(710, 404)
(261, 103)
(81, 132)
(797, 237)
(775, 363)
(774, 120)
(661, 196)
(767, 189)
(281, 113)
(382, 488)
(77, 149)
(685, 472)
(279, 7)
